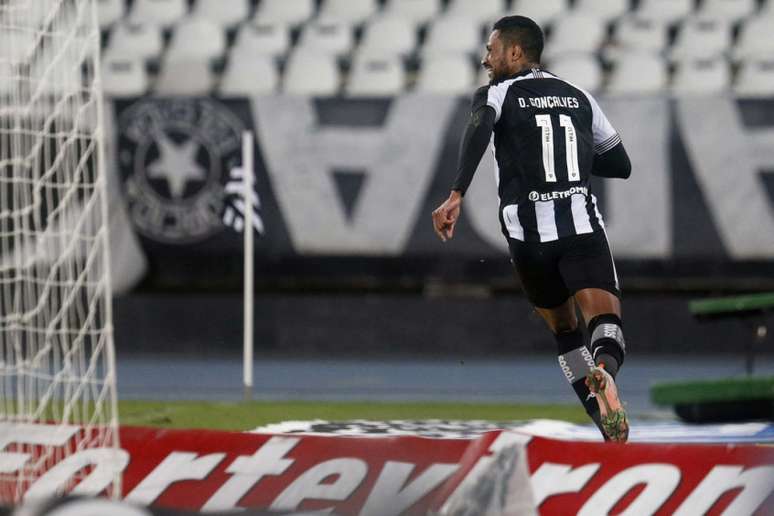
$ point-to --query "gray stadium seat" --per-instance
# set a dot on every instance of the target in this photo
(143, 41)
(184, 77)
(416, 11)
(575, 32)
(702, 77)
(123, 76)
(197, 37)
(249, 74)
(668, 11)
(479, 11)
(448, 75)
(290, 12)
(544, 12)
(267, 39)
(311, 73)
(353, 12)
(388, 35)
(638, 74)
(582, 70)
(158, 12)
(635, 33)
(452, 35)
(225, 14)
(702, 38)
(376, 77)
(730, 10)
(109, 12)
(607, 11)
(327, 36)
(755, 39)
(755, 79)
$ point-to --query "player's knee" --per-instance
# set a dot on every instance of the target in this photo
(607, 337)
(563, 327)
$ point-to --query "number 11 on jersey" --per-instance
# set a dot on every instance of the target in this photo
(570, 142)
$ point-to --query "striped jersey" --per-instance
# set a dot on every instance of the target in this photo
(545, 137)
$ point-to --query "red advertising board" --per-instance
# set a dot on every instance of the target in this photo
(381, 476)
(412, 475)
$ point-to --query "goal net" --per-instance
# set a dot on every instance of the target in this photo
(57, 363)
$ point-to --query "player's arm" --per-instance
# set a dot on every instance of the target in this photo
(475, 141)
(613, 163)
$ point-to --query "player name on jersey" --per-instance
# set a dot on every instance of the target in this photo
(549, 102)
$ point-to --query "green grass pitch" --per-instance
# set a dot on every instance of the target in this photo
(248, 415)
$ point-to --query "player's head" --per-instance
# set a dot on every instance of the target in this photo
(515, 43)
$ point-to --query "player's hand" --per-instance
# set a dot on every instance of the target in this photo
(446, 215)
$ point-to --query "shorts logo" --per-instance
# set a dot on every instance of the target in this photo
(174, 154)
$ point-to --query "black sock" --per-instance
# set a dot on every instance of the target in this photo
(575, 361)
(611, 364)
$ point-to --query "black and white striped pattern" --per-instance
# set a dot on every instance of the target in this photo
(525, 215)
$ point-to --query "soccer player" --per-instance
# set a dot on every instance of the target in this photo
(549, 137)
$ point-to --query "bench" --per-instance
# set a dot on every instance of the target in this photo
(729, 399)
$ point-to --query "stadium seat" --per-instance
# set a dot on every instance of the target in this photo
(668, 11)
(575, 32)
(109, 12)
(311, 73)
(449, 75)
(163, 13)
(123, 76)
(638, 74)
(452, 35)
(582, 70)
(353, 12)
(755, 79)
(224, 14)
(606, 11)
(326, 36)
(729, 10)
(755, 39)
(376, 77)
(544, 12)
(184, 77)
(478, 11)
(417, 12)
(388, 35)
(197, 37)
(288, 12)
(703, 77)
(268, 39)
(143, 41)
(249, 74)
(702, 38)
(633, 33)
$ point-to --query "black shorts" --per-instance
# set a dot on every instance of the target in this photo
(551, 272)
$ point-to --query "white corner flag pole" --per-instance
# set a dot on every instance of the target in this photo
(248, 183)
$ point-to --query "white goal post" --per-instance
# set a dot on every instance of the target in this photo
(57, 357)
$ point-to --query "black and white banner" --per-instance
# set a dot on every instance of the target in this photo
(350, 178)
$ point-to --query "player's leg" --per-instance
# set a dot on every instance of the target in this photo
(589, 271)
(573, 355)
(536, 265)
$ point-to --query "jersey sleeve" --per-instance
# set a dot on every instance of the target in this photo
(479, 99)
(494, 96)
(605, 135)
